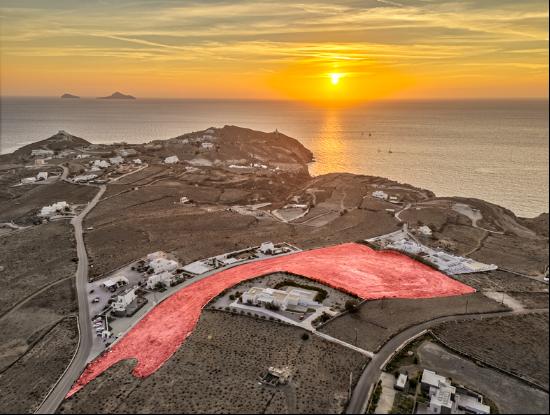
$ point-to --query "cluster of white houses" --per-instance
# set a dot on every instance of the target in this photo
(452, 264)
(266, 249)
(163, 269)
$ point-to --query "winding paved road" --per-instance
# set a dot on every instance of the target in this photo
(371, 374)
(78, 363)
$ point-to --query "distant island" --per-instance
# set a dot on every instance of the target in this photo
(69, 96)
(118, 95)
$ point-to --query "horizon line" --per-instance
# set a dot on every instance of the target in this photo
(343, 102)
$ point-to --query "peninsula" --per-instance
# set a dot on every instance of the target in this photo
(69, 96)
(210, 272)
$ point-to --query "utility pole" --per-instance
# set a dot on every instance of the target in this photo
(350, 383)
(355, 337)
(467, 300)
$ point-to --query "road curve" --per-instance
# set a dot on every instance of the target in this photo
(78, 363)
(371, 374)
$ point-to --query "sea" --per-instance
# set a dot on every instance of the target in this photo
(496, 150)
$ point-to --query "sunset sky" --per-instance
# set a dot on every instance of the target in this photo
(312, 51)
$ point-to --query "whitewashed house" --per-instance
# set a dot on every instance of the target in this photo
(116, 160)
(171, 160)
(164, 278)
(379, 194)
(296, 297)
(124, 299)
(28, 180)
(53, 209)
(101, 164)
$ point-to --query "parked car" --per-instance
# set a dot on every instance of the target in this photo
(92, 291)
(95, 300)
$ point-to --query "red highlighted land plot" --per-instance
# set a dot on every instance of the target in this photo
(354, 268)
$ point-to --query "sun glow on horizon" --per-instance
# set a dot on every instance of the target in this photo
(335, 78)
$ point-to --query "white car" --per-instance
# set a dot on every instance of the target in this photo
(95, 300)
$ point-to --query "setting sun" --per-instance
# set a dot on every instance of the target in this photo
(335, 78)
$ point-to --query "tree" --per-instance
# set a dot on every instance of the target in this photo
(305, 336)
(351, 306)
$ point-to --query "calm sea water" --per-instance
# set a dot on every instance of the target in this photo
(492, 150)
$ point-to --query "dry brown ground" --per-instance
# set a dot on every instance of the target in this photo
(524, 255)
(147, 220)
(377, 321)
(217, 371)
(518, 344)
(23, 327)
(25, 384)
(34, 258)
(529, 292)
(531, 300)
(462, 238)
(501, 281)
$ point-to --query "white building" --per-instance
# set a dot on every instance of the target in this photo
(116, 160)
(101, 164)
(163, 265)
(39, 162)
(41, 152)
(442, 400)
(425, 230)
(115, 282)
(171, 160)
(43, 175)
(136, 161)
(296, 297)
(125, 152)
(28, 180)
(58, 207)
(197, 267)
(394, 199)
(163, 278)
(267, 248)
(124, 299)
(401, 382)
(84, 178)
(379, 194)
(471, 404)
(156, 255)
(207, 145)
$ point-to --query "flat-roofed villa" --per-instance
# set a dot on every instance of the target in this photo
(296, 299)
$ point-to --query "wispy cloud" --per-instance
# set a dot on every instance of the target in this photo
(414, 35)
